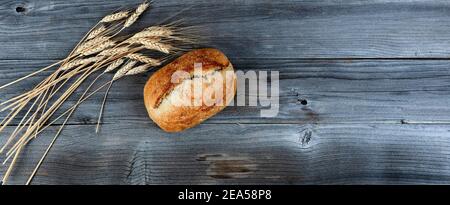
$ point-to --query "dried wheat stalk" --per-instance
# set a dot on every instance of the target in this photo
(138, 12)
(114, 65)
(155, 31)
(115, 17)
(114, 51)
(98, 48)
(101, 48)
(138, 70)
(79, 62)
(91, 43)
(152, 44)
(143, 59)
(96, 32)
(124, 69)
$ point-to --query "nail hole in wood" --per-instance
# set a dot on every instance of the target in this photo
(303, 102)
(20, 9)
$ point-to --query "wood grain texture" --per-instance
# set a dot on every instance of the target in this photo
(375, 74)
(140, 153)
(337, 91)
(246, 29)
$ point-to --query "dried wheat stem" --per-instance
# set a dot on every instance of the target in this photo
(12, 117)
(51, 94)
(30, 75)
(20, 142)
(119, 74)
(46, 100)
(70, 110)
(19, 149)
(59, 132)
(13, 113)
(90, 72)
(15, 132)
(22, 97)
(138, 12)
(7, 117)
(66, 77)
(26, 138)
(9, 170)
(19, 128)
(101, 87)
(111, 52)
(33, 93)
(102, 108)
(15, 105)
(73, 107)
(21, 125)
(26, 93)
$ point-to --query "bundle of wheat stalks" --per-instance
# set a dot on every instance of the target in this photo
(101, 51)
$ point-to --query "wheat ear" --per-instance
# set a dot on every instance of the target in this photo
(138, 12)
(80, 62)
(152, 44)
(91, 43)
(90, 33)
(98, 48)
(143, 59)
(154, 31)
(122, 71)
(96, 32)
(114, 65)
(139, 70)
(115, 17)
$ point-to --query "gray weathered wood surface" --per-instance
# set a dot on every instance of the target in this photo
(375, 73)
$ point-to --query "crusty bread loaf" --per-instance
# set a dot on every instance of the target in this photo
(163, 95)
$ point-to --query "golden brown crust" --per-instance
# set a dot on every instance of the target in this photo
(177, 118)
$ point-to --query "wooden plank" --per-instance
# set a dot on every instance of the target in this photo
(140, 153)
(367, 121)
(337, 91)
(247, 29)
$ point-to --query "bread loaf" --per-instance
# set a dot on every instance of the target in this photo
(172, 97)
